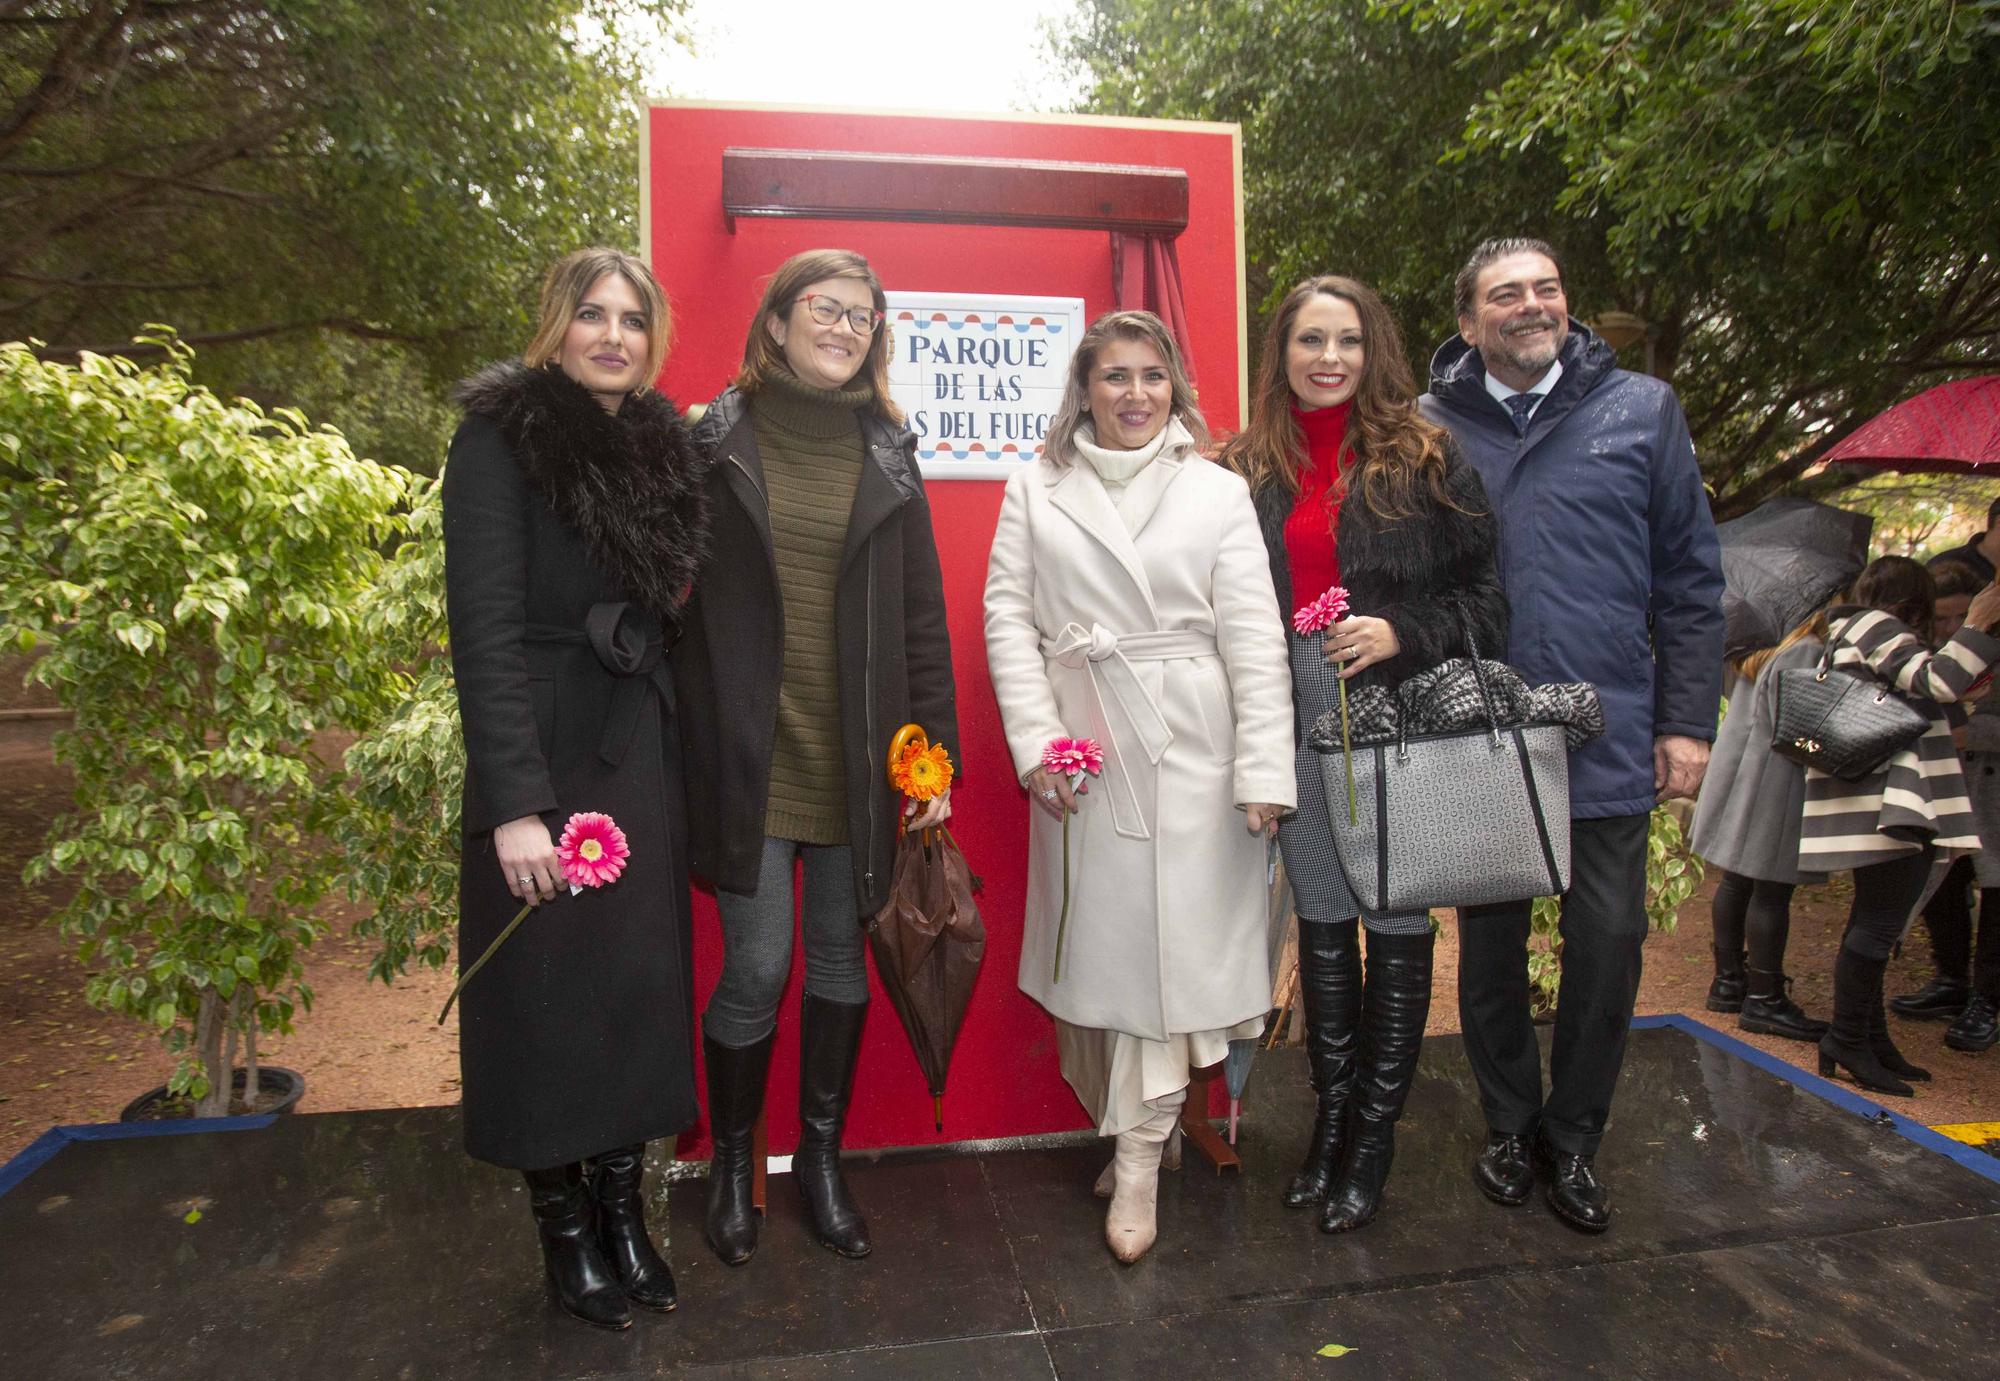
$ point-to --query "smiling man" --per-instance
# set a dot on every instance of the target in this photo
(1609, 559)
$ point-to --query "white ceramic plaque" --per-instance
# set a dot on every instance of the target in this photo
(979, 376)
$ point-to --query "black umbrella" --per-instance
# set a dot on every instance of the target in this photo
(1781, 561)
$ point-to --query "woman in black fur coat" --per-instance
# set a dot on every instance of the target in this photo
(1354, 487)
(574, 523)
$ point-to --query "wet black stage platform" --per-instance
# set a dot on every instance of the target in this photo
(1760, 1230)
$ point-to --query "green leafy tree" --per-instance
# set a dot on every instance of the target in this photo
(398, 820)
(1794, 199)
(190, 571)
(1348, 116)
(275, 175)
(1807, 190)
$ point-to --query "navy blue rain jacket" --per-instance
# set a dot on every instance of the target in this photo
(1607, 553)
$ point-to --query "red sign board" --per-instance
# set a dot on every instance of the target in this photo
(1019, 205)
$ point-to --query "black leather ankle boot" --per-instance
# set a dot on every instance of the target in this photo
(830, 1043)
(1730, 987)
(1396, 1000)
(584, 1286)
(1330, 981)
(735, 1098)
(621, 1228)
(1768, 1010)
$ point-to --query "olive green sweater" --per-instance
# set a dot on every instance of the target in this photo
(809, 442)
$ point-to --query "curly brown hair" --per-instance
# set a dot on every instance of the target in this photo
(1390, 449)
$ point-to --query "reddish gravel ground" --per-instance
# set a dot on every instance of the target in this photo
(368, 1046)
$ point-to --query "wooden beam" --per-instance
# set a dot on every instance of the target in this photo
(823, 185)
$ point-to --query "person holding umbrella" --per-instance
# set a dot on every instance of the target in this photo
(818, 629)
(1781, 563)
(1747, 823)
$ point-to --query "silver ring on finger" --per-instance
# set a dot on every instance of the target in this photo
(525, 882)
(1049, 795)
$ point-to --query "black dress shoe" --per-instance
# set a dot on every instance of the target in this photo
(1503, 1171)
(1977, 1027)
(1941, 999)
(1572, 1188)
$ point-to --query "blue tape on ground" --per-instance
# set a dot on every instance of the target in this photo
(1971, 1157)
(44, 1147)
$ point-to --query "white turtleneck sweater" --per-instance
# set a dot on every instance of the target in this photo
(1117, 469)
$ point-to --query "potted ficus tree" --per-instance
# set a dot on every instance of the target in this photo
(190, 570)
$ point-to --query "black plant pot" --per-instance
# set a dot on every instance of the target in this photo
(273, 1081)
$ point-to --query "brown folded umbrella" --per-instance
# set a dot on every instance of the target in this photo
(929, 943)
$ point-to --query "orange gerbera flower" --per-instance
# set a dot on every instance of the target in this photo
(924, 774)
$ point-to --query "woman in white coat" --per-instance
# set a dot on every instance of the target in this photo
(1129, 600)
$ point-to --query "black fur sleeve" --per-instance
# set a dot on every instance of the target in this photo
(1462, 599)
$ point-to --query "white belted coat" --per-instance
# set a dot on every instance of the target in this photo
(1164, 644)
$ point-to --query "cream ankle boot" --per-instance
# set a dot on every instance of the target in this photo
(1130, 1225)
(1170, 1159)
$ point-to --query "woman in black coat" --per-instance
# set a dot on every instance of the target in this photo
(1354, 487)
(574, 522)
(818, 631)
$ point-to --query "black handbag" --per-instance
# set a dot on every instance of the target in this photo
(1842, 723)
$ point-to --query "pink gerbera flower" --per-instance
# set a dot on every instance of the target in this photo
(592, 851)
(1323, 613)
(1073, 757)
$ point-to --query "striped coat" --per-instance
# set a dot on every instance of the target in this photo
(1919, 798)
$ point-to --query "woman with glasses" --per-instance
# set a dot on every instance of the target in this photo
(818, 631)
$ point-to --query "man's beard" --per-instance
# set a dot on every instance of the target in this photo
(1535, 358)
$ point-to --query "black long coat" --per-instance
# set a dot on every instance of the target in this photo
(1433, 575)
(571, 538)
(891, 644)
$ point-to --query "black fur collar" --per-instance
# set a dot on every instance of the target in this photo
(629, 485)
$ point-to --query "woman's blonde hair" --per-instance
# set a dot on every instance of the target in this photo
(762, 356)
(567, 283)
(1752, 666)
(1391, 450)
(1074, 409)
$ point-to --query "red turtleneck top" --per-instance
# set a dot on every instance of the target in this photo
(1309, 531)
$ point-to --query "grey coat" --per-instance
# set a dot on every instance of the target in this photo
(1752, 800)
(1982, 786)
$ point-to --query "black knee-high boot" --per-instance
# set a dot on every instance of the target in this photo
(830, 1043)
(584, 1285)
(621, 1228)
(735, 1097)
(1857, 995)
(1396, 1000)
(1330, 981)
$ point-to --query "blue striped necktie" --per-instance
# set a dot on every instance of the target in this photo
(1520, 405)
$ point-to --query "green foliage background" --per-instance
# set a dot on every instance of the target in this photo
(1798, 197)
(345, 204)
(193, 574)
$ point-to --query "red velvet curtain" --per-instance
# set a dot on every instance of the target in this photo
(1146, 276)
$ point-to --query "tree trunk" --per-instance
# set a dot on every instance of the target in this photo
(209, 1024)
(250, 1089)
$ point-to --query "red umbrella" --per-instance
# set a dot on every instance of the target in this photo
(1953, 428)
